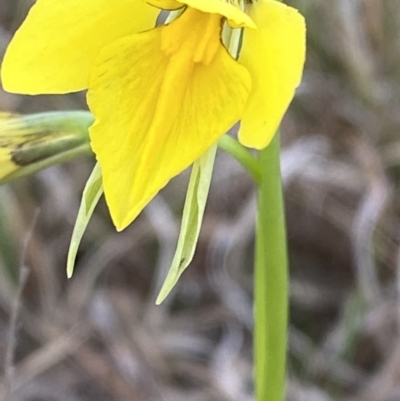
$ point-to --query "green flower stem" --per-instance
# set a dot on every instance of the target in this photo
(242, 155)
(271, 281)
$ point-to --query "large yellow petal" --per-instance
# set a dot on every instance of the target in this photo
(155, 115)
(55, 47)
(274, 53)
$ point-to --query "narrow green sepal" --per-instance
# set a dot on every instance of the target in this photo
(192, 218)
(91, 195)
(34, 142)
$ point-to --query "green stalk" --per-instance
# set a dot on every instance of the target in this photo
(242, 155)
(271, 281)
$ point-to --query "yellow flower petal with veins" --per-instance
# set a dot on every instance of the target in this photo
(161, 98)
(274, 54)
(57, 44)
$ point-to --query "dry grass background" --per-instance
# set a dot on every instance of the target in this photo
(100, 336)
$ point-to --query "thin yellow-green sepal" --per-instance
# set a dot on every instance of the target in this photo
(192, 218)
(91, 195)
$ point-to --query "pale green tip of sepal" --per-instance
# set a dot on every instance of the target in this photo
(192, 218)
(90, 197)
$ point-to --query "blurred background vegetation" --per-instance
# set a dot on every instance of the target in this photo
(100, 337)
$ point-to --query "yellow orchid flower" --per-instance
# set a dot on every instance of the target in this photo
(161, 96)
